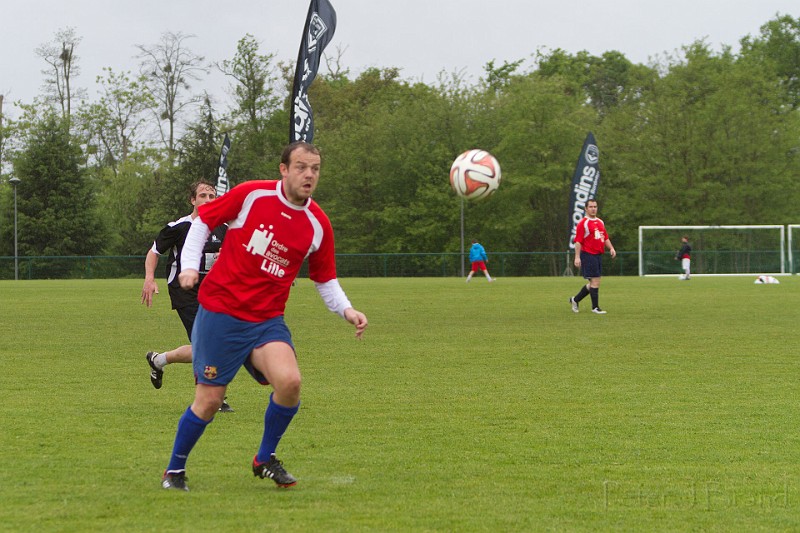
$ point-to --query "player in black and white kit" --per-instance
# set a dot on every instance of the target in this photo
(171, 240)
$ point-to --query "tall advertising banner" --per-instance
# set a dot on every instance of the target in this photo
(584, 184)
(223, 185)
(318, 32)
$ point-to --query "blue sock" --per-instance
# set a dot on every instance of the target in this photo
(190, 428)
(276, 420)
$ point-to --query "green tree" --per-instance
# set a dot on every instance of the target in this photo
(540, 125)
(712, 141)
(254, 91)
(778, 45)
(385, 163)
(259, 122)
(603, 80)
(197, 158)
(113, 126)
(56, 202)
(127, 202)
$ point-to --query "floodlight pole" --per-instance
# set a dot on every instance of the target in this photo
(14, 182)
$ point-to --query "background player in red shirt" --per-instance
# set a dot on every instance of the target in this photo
(685, 257)
(273, 226)
(591, 240)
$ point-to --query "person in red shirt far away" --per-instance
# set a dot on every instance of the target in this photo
(591, 240)
(684, 255)
(273, 227)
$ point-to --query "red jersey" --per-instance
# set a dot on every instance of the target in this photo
(267, 240)
(591, 233)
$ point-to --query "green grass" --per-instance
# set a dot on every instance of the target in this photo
(479, 407)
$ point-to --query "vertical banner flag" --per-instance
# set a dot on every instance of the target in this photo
(584, 184)
(318, 32)
(223, 185)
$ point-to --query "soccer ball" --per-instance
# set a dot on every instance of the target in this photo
(475, 175)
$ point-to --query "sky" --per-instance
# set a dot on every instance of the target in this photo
(423, 38)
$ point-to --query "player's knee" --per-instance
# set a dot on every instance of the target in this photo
(289, 385)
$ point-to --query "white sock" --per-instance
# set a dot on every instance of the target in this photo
(160, 360)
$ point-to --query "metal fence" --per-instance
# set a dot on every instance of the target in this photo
(501, 264)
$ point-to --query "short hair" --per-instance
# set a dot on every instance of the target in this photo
(592, 200)
(291, 147)
(193, 188)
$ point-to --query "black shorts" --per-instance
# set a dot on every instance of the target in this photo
(187, 314)
(591, 265)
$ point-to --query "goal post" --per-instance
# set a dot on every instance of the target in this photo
(716, 250)
(792, 250)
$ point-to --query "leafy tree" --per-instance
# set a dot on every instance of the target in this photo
(705, 144)
(779, 45)
(604, 80)
(114, 124)
(254, 91)
(128, 206)
(56, 203)
(540, 126)
(382, 153)
(198, 158)
(259, 122)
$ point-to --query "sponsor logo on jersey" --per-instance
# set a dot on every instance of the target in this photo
(263, 243)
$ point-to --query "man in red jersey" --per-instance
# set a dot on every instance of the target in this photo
(684, 255)
(591, 240)
(272, 227)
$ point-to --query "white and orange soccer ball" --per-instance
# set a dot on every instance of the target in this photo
(475, 175)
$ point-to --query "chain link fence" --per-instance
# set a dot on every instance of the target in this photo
(501, 264)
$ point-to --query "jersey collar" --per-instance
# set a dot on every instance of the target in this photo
(286, 202)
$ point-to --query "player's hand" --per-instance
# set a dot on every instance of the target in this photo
(148, 290)
(188, 278)
(613, 253)
(358, 319)
(577, 262)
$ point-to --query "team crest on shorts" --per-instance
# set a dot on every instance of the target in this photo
(210, 372)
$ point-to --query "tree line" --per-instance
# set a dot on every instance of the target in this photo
(695, 137)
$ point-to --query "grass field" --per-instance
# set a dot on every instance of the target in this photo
(479, 407)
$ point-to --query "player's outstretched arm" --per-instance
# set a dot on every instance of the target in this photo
(358, 319)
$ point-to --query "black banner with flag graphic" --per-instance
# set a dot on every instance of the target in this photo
(584, 184)
(318, 32)
(223, 185)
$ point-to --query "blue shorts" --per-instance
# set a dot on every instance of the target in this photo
(222, 344)
(591, 265)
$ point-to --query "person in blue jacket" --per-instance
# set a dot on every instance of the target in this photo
(477, 256)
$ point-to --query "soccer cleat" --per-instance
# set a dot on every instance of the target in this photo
(155, 373)
(598, 311)
(225, 407)
(574, 305)
(273, 469)
(175, 480)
